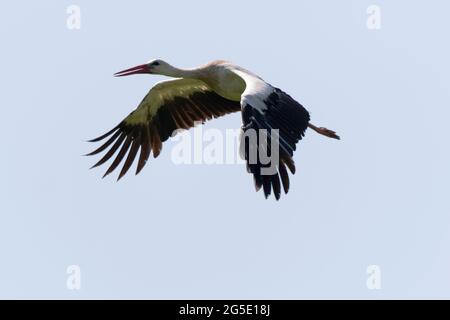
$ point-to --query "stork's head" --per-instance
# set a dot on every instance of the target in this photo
(156, 66)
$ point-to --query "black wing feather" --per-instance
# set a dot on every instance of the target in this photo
(291, 119)
(175, 113)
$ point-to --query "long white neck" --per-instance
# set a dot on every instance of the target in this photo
(174, 72)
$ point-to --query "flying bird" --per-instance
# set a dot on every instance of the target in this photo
(210, 91)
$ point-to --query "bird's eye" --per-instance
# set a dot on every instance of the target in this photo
(156, 63)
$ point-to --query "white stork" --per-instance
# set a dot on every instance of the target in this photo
(200, 94)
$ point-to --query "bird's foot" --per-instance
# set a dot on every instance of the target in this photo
(328, 133)
(325, 132)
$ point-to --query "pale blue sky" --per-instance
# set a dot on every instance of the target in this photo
(378, 196)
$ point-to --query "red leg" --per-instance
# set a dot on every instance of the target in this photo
(324, 131)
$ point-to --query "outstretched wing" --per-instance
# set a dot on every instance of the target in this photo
(265, 108)
(169, 105)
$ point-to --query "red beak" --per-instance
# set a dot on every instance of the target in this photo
(143, 68)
